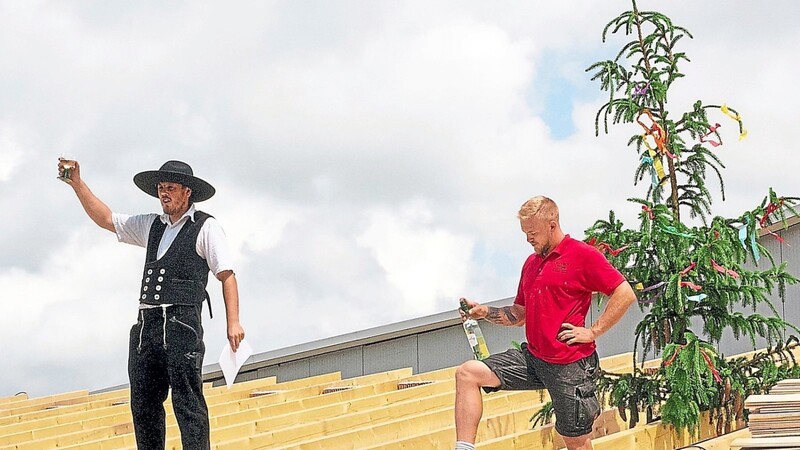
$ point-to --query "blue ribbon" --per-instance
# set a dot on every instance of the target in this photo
(648, 160)
(743, 239)
(697, 298)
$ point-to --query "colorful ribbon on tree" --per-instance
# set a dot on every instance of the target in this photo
(641, 90)
(688, 268)
(655, 296)
(649, 160)
(707, 359)
(711, 366)
(711, 129)
(690, 285)
(611, 250)
(674, 231)
(655, 130)
(721, 269)
(735, 116)
(743, 238)
(604, 246)
(649, 212)
(696, 298)
(771, 208)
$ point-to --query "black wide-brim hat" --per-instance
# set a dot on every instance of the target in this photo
(175, 172)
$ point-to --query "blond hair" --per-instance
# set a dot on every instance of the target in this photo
(540, 207)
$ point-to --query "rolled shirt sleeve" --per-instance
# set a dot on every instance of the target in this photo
(133, 229)
(212, 245)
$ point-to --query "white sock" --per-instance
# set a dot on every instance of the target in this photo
(461, 445)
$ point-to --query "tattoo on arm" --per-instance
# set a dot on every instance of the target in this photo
(503, 316)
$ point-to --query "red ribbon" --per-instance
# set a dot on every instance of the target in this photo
(690, 285)
(688, 268)
(771, 208)
(724, 270)
(604, 246)
(711, 366)
(780, 239)
(674, 355)
(648, 211)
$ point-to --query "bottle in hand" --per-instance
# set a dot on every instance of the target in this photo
(474, 334)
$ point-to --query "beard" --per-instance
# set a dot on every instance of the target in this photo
(543, 250)
(173, 208)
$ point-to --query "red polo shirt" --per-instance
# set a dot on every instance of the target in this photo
(558, 289)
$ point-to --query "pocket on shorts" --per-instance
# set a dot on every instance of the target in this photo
(587, 406)
(133, 334)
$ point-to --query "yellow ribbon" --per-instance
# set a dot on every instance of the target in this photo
(736, 117)
(656, 159)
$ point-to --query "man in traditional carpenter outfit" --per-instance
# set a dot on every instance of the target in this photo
(166, 344)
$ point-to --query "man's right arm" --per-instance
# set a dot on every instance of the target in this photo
(510, 316)
(94, 207)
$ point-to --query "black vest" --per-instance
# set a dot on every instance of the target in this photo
(181, 275)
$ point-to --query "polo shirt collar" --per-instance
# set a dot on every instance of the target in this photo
(560, 247)
(189, 213)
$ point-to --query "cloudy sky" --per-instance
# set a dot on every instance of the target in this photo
(369, 157)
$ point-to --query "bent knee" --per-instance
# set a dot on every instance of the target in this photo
(476, 372)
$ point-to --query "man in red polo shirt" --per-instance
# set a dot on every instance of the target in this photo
(553, 298)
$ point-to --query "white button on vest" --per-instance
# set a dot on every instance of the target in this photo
(156, 296)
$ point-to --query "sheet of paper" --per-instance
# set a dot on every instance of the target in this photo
(231, 362)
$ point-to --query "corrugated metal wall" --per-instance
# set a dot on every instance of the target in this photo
(423, 352)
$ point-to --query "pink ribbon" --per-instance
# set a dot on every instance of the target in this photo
(711, 129)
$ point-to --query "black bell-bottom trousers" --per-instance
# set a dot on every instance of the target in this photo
(166, 351)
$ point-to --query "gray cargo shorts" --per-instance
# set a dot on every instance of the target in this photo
(571, 386)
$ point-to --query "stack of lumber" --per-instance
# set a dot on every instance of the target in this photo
(774, 419)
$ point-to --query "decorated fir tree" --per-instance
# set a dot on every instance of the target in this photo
(686, 274)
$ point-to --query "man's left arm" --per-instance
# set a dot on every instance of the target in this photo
(230, 294)
(618, 303)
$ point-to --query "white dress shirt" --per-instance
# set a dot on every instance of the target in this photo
(211, 245)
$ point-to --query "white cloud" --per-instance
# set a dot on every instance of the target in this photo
(11, 152)
(427, 265)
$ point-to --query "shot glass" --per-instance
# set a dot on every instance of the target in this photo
(65, 166)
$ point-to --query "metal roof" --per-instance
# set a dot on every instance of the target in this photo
(349, 340)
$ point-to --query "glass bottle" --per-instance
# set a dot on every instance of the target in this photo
(474, 334)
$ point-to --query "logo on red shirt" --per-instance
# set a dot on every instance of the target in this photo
(560, 267)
